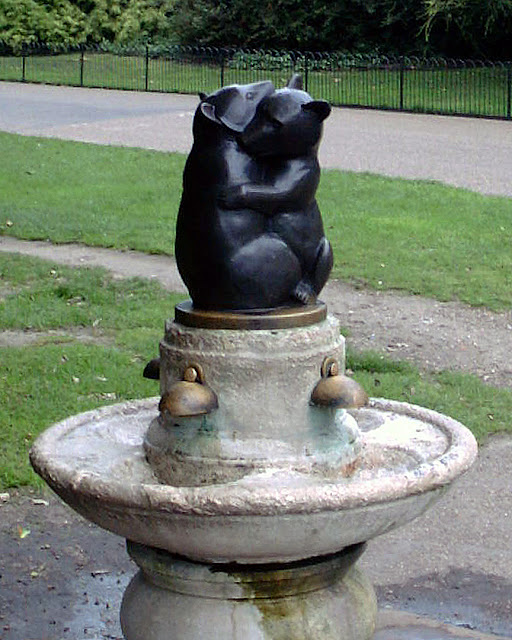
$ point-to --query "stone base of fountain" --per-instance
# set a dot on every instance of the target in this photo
(172, 598)
(263, 378)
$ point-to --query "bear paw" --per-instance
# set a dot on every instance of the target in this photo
(304, 293)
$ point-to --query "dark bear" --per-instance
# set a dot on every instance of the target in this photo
(249, 233)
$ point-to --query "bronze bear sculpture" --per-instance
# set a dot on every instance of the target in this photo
(249, 233)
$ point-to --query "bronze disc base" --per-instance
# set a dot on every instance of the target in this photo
(282, 318)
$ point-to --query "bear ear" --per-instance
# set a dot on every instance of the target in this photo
(202, 96)
(320, 107)
(295, 82)
(208, 110)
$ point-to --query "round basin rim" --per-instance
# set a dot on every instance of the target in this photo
(237, 499)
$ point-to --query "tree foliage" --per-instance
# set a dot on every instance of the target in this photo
(129, 20)
(481, 28)
(461, 28)
(451, 27)
(65, 22)
(316, 25)
(28, 21)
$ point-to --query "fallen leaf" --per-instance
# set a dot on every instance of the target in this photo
(23, 532)
(37, 572)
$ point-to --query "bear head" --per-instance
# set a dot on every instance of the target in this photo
(232, 107)
(287, 123)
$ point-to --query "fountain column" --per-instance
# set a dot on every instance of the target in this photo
(262, 430)
(172, 598)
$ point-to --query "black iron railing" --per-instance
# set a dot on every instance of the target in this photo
(452, 87)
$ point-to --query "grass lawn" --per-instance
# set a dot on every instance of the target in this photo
(421, 237)
(482, 408)
(98, 195)
(58, 376)
(478, 91)
(416, 236)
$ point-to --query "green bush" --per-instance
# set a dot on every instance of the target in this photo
(75, 22)
(25, 22)
(458, 28)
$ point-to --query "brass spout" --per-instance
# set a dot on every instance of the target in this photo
(337, 390)
(190, 396)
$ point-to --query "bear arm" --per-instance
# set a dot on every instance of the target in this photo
(292, 188)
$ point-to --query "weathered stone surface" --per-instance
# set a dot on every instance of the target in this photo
(263, 379)
(264, 422)
(95, 461)
(173, 599)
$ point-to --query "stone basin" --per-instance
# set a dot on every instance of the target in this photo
(95, 461)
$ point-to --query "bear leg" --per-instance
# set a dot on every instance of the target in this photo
(263, 273)
(323, 265)
(308, 288)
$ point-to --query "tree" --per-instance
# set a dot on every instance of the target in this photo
(470, 27)
(355, 25)
(129, 20)
(145, 20)
(459, 28)
(29, 21)
(72, 22)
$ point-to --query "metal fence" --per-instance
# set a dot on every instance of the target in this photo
(445, 86)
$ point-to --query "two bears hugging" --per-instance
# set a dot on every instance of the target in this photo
(249, 234)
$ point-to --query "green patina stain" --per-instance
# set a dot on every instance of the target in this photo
(327, 599)
(338, 605)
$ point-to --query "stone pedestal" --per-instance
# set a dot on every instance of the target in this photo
(172, 598)
(263, 379)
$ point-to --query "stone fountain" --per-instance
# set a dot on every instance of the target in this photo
(248, 489)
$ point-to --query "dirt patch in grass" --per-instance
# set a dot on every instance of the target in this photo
(85, 335)
(6, 291)
(434, 335)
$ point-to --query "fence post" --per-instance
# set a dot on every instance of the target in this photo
(306, 71)
(82, 60)
(222, 68)
(509, 90)
(146, 72)
(401, 87)
(23, 66)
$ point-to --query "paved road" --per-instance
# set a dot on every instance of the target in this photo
(466, 152)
